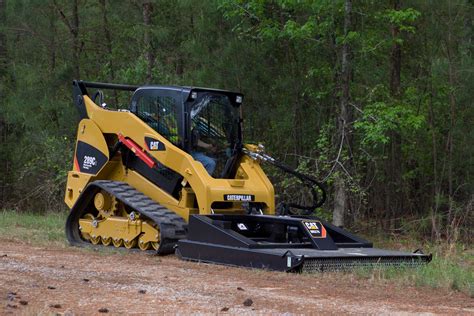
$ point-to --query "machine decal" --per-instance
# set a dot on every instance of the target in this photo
(88, 158)
(242, 226)
(239, 197)
(315, 228)
(154, 144)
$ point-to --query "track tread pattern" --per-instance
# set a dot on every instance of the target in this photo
(172, 226)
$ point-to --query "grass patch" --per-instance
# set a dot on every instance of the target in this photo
(43, 230)
(451, 269)
(39, 229)
(441, 273)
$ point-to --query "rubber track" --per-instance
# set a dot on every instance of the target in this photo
(172, 227)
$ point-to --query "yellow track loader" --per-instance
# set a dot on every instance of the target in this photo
(171, 174)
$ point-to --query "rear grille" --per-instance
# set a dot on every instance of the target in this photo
(346, 264)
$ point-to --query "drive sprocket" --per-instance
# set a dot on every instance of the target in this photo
(107, 205)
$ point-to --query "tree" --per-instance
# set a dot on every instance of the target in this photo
(149, 50)
(72, 23)
(344, 119)
(393, 166)
(373, 97)
(3, 126)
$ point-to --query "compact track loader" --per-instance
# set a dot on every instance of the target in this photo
(172, 174)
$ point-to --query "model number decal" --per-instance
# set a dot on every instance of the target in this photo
(89, 162)
(239, 197)
(88, 159)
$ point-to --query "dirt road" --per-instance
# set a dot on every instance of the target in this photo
(76, 281)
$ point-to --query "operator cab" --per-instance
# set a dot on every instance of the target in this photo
(198, 120)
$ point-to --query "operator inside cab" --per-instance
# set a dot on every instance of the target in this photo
(205, 123)
(214, 131)
(198, 154)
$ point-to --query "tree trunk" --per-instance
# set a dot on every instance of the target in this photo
(74, 31)
(450, 51)
(108, 47)
(76, 43)
(52, 46)
(3, 42)
(149, 54)
(434, 151)
(393, 166)
(3, 125)
(341, 196)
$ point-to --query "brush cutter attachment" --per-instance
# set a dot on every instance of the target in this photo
(284, 243)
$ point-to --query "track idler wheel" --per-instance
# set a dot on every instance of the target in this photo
(150, 238)
(143, 245)
(106, 241)
(147, 245)
(95, 240)
(130, 243)
(118, 242)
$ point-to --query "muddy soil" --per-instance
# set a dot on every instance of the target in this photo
(72, 281)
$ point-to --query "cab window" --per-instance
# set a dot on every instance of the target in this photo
(159, 112)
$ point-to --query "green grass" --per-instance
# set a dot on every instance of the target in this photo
(39, 229)
(446, 273)
(43, 230)
(451, 269)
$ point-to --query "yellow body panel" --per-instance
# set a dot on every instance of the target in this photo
(250, 178)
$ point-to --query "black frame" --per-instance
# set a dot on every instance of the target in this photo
(217, 239)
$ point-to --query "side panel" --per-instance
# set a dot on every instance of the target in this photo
(91, 152)
(90, 157)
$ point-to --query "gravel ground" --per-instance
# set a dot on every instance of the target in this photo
(72, 281)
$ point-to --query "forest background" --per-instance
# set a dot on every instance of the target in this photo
(373, 97)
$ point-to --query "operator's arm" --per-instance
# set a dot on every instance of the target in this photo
(204, 145)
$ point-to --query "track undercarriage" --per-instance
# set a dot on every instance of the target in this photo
(113, 213)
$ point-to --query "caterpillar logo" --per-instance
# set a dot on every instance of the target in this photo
(239, 197)
(315, 228)
(154, 144)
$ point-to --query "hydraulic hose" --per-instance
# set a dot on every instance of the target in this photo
(308, 181)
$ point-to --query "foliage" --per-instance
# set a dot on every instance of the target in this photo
(285, 56)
